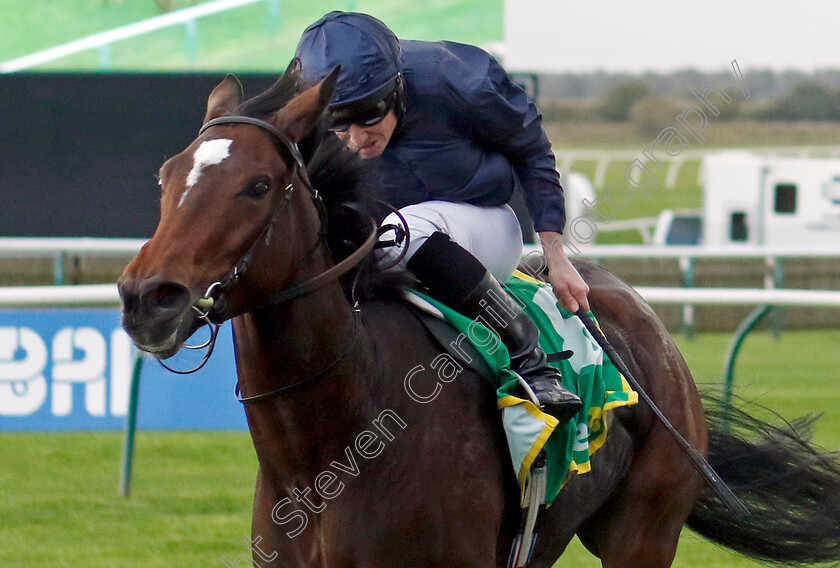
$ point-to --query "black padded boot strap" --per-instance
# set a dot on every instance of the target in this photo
(459, 280)
(446, 269)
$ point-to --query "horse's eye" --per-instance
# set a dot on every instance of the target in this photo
(256, 189)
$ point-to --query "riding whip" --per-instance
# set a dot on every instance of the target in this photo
(698, 461)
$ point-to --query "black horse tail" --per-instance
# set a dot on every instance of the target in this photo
(791, 487)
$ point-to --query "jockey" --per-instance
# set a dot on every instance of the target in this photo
(452, 136)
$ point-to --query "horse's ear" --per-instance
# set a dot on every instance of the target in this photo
(299, 117)
(224, 98)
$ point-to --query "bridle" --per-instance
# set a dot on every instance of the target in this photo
(212, 301)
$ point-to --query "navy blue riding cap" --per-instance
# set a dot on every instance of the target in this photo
(367, 50)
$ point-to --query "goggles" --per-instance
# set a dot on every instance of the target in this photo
(367, 112)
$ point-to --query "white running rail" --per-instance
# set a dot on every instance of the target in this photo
(106, 295)
(103, 39)
(740, 296)
(51, 246)
(59, 296)
(677, 252)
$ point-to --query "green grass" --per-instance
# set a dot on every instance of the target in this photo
(191, 500)
(243, 39)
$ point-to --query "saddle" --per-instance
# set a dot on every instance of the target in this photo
(585, 369)
(450, 340)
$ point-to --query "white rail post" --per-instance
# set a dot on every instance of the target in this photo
(58, 268)
(687, 266)
(191, 42)
(273, 20)
(104, 57)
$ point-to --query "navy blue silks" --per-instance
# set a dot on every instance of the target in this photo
(468, 132)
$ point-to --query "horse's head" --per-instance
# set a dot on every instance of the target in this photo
(236, 212)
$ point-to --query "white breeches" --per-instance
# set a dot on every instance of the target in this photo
(491, 234)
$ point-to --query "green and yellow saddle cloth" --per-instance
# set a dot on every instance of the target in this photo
(588, 373)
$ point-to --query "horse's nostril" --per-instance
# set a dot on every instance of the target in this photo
(164, 298)
(128, 296)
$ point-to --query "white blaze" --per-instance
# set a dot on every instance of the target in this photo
(210, 152)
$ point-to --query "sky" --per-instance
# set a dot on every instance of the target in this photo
(665, 35)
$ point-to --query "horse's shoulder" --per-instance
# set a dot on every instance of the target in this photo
(404, 336)
(394, 330)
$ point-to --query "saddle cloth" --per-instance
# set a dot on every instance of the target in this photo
(588, 373)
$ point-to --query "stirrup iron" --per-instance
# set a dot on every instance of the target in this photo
(534, 502)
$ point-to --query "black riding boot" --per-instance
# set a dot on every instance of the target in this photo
(459, 280)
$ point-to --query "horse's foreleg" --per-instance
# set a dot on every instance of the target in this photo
(262, 531)
(283, 540)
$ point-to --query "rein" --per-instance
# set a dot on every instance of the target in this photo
(213, 297)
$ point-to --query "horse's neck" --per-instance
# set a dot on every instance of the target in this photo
(295, 338)
(312, 339)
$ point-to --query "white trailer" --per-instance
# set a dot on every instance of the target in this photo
(770, 200)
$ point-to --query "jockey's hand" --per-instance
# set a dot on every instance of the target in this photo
(568, 285)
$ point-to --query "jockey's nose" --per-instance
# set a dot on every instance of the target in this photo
(356, 136)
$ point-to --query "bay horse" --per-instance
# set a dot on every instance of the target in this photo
(353, 472)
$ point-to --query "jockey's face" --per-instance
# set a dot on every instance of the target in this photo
(370, 141)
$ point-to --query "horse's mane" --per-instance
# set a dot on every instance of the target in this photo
(341, 177)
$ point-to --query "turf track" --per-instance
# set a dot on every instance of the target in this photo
(192, 490)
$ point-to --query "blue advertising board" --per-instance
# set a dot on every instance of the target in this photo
(70, 369)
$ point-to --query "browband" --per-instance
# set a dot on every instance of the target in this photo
(270, 128)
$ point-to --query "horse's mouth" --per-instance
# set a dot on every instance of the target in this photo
(162, 340)
(164, 351)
